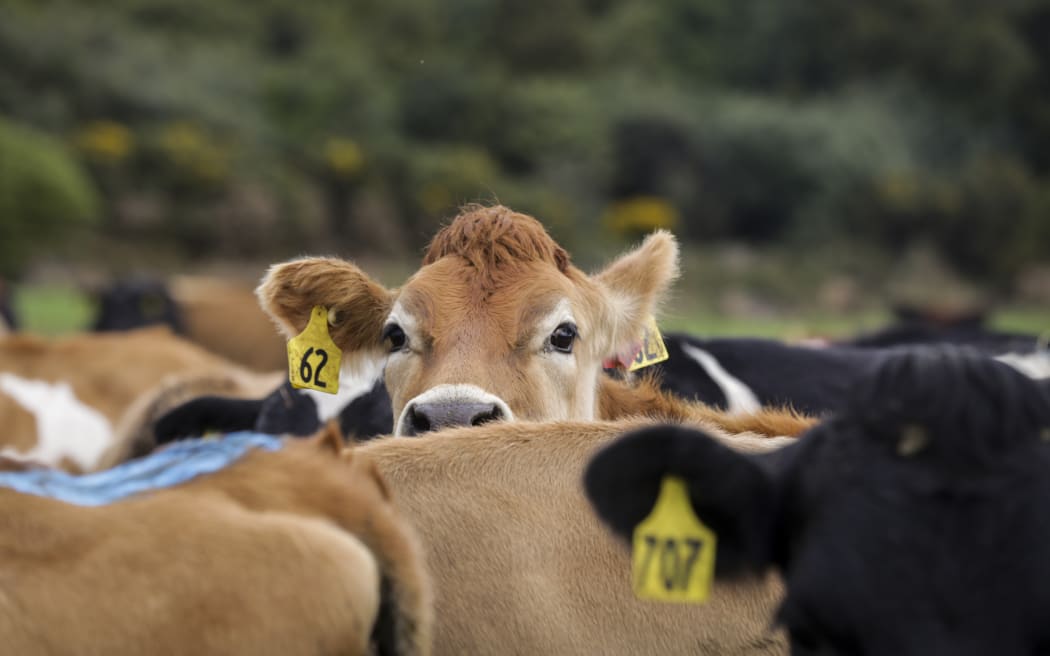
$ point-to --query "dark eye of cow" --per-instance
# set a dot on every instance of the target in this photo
(395, 335)
(563, 337)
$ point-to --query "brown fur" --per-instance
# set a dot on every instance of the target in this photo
(521, 565)
(493, 241)
(107, 371)
(621, 400)
(281, 553)
(224, 317)
(479, 306)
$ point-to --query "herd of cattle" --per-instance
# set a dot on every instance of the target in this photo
(882, 495)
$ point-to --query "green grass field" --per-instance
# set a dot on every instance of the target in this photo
(55, 310)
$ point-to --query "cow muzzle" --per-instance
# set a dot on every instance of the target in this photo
(447, 406)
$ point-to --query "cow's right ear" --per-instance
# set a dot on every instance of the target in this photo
(729, 491)
(357, 305)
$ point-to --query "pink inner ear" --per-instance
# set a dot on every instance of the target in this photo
(623, 358)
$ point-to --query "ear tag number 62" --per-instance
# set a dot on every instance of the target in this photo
(313, 358)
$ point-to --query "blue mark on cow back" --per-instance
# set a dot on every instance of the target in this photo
(181, 462)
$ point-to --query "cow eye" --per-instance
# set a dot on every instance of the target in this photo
(563, 337)
(395, 335)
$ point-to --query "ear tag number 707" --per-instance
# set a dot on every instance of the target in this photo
(313, 358)
(673, 552)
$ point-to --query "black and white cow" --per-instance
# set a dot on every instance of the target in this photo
(911, 523)
(744, 374)
(363, 412)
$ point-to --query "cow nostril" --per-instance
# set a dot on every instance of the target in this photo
(485, 417)
(425, 417)
(418, 421)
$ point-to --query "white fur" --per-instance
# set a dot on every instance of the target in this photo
(453, 394)
(66, 427)
(739, 397)
(1034, 365)
(357, 375)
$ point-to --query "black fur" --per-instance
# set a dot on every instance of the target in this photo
(369, 415)
(911, 522)
(285, 411)
(972, 408)
(206, 414)
(384, 631)
(810, 380)
(730, 494)
(136, 303)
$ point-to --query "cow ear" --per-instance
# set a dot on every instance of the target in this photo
(634, 286)
(729, 491)
(330, 438)
(357, 305)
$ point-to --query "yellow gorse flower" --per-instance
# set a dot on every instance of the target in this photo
(106, 142)
(343, 156)
(194, 152)
(640, 215)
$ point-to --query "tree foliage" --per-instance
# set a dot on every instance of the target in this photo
(891, 121)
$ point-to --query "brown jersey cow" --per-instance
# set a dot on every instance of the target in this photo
(497, 325)
(63, 400)
(294, 551)
(520, 564)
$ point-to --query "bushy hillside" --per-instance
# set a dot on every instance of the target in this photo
(242, 128)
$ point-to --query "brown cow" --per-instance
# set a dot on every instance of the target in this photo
(295, 551)
(60, 399)
(520, 563)
(497, 324)
(224, 317)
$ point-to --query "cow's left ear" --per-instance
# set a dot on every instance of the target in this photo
(357, 305)
(729, 491)
(634, 285)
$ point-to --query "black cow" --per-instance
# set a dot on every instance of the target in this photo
(362, 415)
(918, 326)
(137, 302)
(913, 522)
(742, 374)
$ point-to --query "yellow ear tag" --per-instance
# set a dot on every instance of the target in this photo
(674, 553)
(653, 349)
(645, 351)
(313, 358)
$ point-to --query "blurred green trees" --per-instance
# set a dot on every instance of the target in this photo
(236, 127)
(44, 196)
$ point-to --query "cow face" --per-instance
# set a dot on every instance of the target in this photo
(497, 324)
(914, 523)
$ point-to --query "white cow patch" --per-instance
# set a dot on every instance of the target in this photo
(66, 427)
(739, 397)
(357, 376)
(1034, 365)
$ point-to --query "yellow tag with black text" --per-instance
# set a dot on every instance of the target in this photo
(673, 556)
(313, 358)
(647, 350)
(652, 349)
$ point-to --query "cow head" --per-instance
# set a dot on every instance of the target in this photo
(497, 324)
(912, 523)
